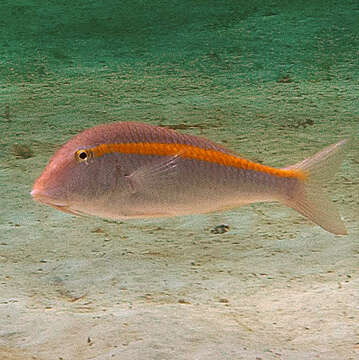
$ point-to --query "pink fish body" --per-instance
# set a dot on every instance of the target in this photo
(134, 170)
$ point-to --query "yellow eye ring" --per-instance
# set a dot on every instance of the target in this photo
(82, 155)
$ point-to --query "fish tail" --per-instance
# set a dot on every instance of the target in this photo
(308, 196)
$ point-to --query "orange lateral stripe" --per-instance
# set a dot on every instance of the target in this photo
(192, 152)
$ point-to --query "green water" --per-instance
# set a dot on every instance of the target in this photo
(273, 80)
(230, 41)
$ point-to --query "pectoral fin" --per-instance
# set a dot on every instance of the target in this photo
(154, 174)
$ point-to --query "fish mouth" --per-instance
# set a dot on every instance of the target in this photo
(43, 197)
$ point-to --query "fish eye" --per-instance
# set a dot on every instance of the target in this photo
(82, 155)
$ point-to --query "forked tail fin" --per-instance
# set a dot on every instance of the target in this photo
(309, 198)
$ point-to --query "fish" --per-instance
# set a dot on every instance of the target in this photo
(126, 170)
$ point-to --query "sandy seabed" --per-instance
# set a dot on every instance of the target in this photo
(273, 287)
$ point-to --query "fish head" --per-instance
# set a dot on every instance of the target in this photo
(74, 181)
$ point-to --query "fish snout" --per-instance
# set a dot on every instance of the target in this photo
(46, 197)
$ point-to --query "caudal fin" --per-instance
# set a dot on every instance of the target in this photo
(309, 197)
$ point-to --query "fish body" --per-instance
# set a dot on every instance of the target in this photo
(134, 170)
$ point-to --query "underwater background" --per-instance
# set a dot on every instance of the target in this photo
(273, 80)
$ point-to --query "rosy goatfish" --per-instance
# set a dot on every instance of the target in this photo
(134, 170)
